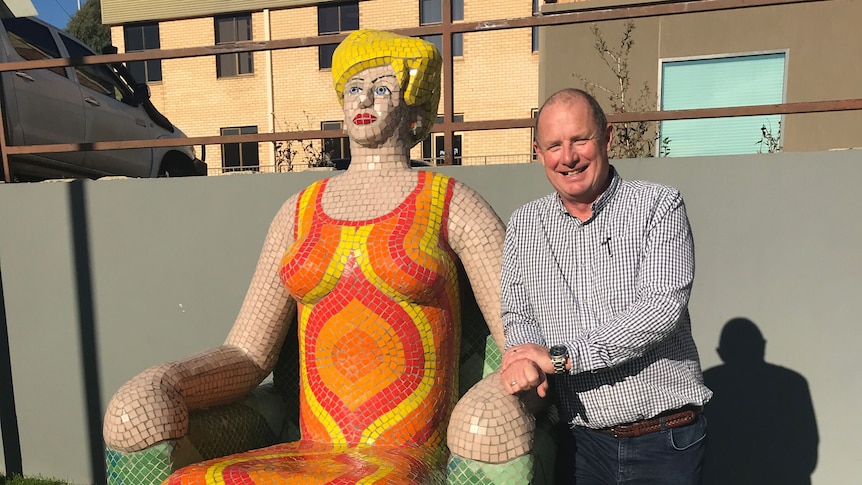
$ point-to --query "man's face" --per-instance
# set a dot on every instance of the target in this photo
(373, 106)
(574, 151)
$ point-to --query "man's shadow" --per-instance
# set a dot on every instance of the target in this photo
(762, 428)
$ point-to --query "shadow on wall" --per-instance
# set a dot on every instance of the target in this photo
(762, 427)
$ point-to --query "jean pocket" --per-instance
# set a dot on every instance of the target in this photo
(686, 437)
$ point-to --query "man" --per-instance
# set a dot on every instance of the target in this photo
(595, 285)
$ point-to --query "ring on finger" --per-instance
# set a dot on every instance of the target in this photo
(514, 383)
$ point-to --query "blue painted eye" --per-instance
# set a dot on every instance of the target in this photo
(381, 91)
(353, 90)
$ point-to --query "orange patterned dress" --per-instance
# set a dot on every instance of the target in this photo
(379, 330)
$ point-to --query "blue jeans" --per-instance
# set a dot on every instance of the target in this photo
(669, 457)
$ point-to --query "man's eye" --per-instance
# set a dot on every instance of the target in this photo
(353, 90)
(382, 91)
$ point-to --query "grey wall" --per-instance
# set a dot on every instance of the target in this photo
(777, 241)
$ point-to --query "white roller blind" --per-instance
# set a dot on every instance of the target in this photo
(717, 83)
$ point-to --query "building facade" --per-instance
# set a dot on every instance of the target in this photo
(790, 53)
(495, 73)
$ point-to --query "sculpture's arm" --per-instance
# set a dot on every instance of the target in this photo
(154, 405)
(476, 234)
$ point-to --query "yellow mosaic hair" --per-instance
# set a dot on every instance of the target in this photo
(416, 63)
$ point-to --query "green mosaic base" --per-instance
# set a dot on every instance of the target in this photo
(148, 467)
(461, 471)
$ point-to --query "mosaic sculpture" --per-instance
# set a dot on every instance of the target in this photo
(367, 264)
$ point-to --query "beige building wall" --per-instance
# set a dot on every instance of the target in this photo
(496, 78)
(817, 37)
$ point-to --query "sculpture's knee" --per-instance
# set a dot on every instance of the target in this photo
(144, 411)
(490, 425)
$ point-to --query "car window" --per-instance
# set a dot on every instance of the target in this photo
(98, 77)
(32, 41)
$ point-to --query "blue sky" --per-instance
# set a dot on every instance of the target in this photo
(56, 12)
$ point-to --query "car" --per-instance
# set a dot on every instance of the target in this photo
(80, 104)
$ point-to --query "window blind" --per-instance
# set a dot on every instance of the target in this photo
(717, 83)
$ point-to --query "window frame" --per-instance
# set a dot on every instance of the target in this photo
(457, 11)
(457, 15)
(149, 66)
(240, 147)
(726, 55)
(457, 42)
(325, 51)
(429, 144)
(534, 31)
(342, 141)
(234, 64)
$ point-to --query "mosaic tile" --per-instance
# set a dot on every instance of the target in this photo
(361, 283)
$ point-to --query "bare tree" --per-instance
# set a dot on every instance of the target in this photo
(635, 139)
(289, 153)
(770, 142)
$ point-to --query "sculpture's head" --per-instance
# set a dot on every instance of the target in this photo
(388, 85)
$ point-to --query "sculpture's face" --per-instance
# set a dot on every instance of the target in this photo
(374, 109)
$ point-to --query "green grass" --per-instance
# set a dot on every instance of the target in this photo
(30, 481)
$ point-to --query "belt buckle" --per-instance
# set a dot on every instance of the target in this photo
(623, 430)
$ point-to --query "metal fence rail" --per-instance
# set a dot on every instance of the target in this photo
(447, 28)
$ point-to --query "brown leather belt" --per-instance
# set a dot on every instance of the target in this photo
(671, 419)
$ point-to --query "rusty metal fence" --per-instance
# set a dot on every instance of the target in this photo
(447, 29)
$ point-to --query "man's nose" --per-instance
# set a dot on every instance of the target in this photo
(570, 155)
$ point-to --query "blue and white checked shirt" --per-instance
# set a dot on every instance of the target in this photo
(614, 289)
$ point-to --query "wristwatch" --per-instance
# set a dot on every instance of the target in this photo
(559, 355)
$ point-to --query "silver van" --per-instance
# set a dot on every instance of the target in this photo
(80, 104)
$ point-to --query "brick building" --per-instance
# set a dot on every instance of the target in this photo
(495, 73)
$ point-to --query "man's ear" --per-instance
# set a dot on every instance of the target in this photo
(609, 133)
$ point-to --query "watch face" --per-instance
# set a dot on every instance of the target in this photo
(558, 350)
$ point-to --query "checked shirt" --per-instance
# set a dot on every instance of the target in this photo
(614, 289)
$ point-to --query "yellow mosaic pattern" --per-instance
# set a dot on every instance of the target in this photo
(416, 63)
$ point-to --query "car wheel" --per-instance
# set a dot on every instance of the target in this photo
(176, 166)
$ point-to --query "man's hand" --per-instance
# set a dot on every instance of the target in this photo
(523, 368)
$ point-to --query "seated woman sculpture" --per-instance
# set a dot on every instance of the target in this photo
(366, 263)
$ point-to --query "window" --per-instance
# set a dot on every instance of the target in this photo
(743, 80)
(457, 43)
(431, 12)
(240, 156)
(140, 37)
(534, 113)
(336, 148)
(535, 30)
(433, 146)
(334, 19)
(33, 42)
(98, 77)
(228, 30)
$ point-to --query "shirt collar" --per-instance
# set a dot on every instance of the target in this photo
(603, 200)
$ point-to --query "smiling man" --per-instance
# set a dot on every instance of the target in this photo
(596, 279)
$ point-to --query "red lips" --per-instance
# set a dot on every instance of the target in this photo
(364, 119)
